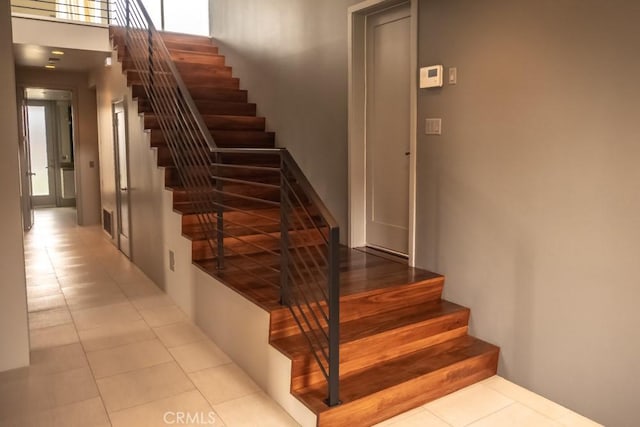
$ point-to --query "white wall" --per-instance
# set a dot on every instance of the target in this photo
(529, 202)
(14, 331)
(61, 35)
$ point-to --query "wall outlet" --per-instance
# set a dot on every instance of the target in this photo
(172, 261)
(433, 127)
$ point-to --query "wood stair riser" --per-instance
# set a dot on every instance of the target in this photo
(197, 58)
(404, 397)
(202, 93)
(248, 245)
(220, 108)
(240, 123)
(371, 350)
(188, 75)
(134, 79)
(366, 304)
(268, 216)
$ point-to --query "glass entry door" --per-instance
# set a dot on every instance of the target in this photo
(41, 154)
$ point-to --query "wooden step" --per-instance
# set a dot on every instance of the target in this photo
(228, 138)
(197, 72)
(172, 177)
(392, 290)
(387, 389)
(253, 244)
(196, 57)
(191, 47)
(260, 217)
(199, 231)
(190, 73)
(210, 107)
(202, 93)
(265, 200)
(216, 122)
(374, 339)
(214, 82)
(165, 157)
(169, 36)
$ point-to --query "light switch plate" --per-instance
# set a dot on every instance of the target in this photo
(433, 127)
(453, 75)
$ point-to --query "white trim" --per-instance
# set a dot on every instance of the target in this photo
(356, 128)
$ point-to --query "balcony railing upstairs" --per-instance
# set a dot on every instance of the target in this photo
(88, 12)
(295, 252)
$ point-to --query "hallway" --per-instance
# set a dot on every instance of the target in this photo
(109, 348)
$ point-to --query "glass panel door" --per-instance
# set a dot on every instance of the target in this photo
(42, 162)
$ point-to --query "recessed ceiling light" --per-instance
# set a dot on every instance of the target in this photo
(57, 52)
(50, 66)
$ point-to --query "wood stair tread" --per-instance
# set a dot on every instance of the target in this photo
(407, 368)
(352, 285)
(357, 329)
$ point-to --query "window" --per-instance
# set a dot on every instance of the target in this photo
(190, 17)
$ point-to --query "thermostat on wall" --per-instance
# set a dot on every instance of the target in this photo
(431, 76)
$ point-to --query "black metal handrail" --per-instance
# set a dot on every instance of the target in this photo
(299, 259)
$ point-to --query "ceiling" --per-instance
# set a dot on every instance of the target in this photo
(73, 59)
(48, 94)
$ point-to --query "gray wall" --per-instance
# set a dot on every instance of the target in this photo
(145, 179)
(86, 143)
(530, 200)
(14, 332)
(292, 57)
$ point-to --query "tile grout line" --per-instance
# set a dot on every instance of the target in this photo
(528, 406)
(95, 382)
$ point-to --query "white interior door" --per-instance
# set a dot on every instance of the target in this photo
(25, 161)
(122, 177)
(388, 109)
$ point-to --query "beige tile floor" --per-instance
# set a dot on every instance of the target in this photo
(109, 348)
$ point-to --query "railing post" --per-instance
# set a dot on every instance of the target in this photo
(284, 235)
(128, 14)
(219, 218)
(334, 317)
(150, 43)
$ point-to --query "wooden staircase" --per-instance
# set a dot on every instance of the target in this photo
(401, 344)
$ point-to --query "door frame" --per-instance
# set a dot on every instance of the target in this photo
(124, 247)
(25, 160)
(78, 167)
(357, 15)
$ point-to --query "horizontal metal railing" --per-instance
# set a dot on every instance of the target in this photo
(255, 209)
(82, 11)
